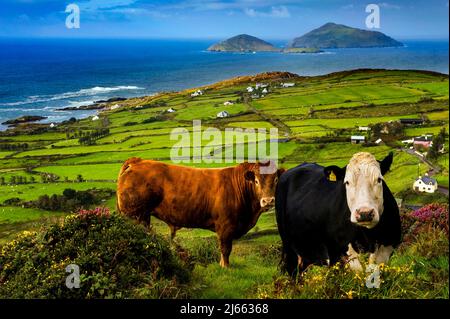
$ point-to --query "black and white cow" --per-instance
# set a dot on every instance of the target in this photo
(327, 213)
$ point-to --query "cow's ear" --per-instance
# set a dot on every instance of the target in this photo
(385, 164)
(280, 171)
(250, 176)
(334, 173)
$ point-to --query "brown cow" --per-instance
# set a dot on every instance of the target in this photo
(227, 200)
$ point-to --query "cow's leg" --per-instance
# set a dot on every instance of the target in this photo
(173, 231)
(226, 244)
(353, 259)
(381, 255)
(291, 262)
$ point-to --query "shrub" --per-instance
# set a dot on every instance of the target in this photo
(430, 216)
(116, 258)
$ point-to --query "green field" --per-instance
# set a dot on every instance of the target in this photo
(315, 119)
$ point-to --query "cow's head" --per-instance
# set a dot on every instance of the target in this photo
(363, 179)
(264, 178)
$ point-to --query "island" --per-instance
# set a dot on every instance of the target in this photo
(302, 50)
(243, 43)
(25, 119)
(334, 36)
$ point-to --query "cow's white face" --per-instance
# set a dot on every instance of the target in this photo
(364, 187)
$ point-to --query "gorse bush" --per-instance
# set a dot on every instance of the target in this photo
(116, 259)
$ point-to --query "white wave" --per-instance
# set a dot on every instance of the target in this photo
(68, 95)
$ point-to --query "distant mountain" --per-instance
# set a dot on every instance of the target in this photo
(332, 35)
(242, 43)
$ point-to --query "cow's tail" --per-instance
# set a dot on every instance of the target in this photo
(125, 167)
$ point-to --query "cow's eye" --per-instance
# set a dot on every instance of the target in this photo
(276, 180)
(379, 179)
(256, 182)
(347, 183)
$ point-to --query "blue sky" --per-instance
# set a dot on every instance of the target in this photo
(269, 19)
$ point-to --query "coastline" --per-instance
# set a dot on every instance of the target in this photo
(111, 104)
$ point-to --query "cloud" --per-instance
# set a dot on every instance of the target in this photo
(389, 5)
(140, 12)
(96, 5)
(275, 12)
(348, 7)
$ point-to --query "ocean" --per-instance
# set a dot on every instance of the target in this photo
(38, 76)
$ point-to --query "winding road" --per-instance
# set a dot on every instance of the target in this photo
(432, 171)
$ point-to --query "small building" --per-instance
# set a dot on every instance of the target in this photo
(255, 96)
(223, 114)
(407, 142)
(95, 118)
(52, 125)
(364, 128)
(411, 121)
(287, 85)
(228, 103)
(264, 91)
(261, 85)
(114, 107)
(425, 184)
(250, 89)
(357, 139)
(379, 141)
(197, 93)
(171, 110)
(424, 141)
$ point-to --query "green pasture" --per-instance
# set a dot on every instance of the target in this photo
(313, 109)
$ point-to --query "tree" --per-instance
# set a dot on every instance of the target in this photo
(80, 178)
(69, 193)
(438, 141)
(2, 180)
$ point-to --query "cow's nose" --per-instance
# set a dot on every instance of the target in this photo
(364, 215)
(267, 201)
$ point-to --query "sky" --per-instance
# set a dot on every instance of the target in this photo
(217, 19)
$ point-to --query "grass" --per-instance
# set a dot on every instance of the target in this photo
(340, 101)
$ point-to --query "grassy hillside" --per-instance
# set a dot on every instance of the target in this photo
(315, 119)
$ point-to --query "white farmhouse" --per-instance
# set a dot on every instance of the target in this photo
(95, 118)
(197, 93)
(223, 114)
(264, 91)
(171, 110)
(114, 107)
(52, 125)
(261, 85)
(228, 103)
(287, 85)
(356, 139)
(379, 141)
(425, 184)
(364, 128)
(249, 89)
